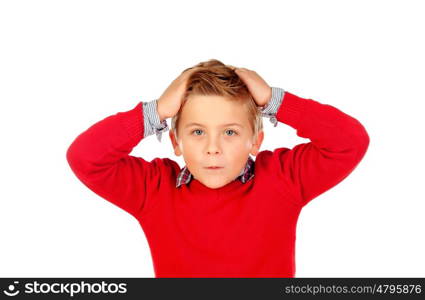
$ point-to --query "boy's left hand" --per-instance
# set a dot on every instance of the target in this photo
(256, 85)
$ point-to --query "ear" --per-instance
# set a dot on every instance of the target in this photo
(175, 144)
(257, 143)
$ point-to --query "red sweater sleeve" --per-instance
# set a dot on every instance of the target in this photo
(100, 159)
(338, 143)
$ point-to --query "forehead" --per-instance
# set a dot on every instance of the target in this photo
(213, 111)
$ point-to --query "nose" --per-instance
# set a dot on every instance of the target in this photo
(213, 146)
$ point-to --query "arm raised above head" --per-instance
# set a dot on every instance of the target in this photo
(338, 144)
(100, 159)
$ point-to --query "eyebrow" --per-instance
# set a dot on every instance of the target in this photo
(197, 124)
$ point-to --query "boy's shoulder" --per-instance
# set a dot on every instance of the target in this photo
(275, 163)
(275, 167)
(268, 159)
(165, 165)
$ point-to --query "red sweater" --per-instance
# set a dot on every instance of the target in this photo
(238, 230)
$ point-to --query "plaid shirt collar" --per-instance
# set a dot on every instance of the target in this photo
(245, 175)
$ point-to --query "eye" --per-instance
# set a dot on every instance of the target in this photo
(196, 130)
(235, 133)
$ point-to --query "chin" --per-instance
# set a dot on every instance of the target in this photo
(215, 185)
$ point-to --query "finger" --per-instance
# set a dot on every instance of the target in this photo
(242, 70)
(245, 75)
(233, 68)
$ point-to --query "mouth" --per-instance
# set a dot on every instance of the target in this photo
(213, 168)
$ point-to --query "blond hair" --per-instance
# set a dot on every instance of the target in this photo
(217, 79)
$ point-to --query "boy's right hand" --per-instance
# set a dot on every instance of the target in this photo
(170, 101)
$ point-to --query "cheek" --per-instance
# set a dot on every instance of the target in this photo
(248, 144)
(236, 151)
(244, 145)
(188, 144)
(190, 148)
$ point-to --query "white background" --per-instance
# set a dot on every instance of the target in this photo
(65, 65)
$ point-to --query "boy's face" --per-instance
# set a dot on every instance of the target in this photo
(211, 142)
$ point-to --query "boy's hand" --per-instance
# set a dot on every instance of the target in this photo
(170, 101)
(259, 89)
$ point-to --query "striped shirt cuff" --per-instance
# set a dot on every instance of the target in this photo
(151, 120)
(272, 107)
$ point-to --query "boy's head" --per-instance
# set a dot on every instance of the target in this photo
(201, 131)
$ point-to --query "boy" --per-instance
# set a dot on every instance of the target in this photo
(239, 218)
